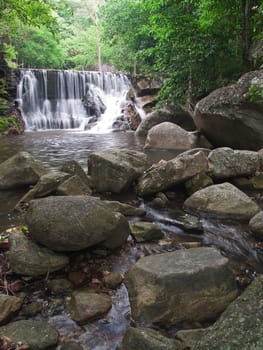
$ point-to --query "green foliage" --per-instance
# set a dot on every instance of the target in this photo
(10, 55)
(3, 124)
(255, 92)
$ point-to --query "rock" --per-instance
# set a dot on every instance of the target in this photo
(85, 305)
(160, 200)
(166, 174)
(74, 186)
(256, 225)
(47, 184)
(158, 116)
(225, 163)
(256, 52)
(229, 116)
(112, 280)
(60, 286)
(125, 209)
(185, 285)
(115, 170)
(146, 338)
(70, 346)
(9, 306)
(75, 222)
(240, 326)
(32, 309)
(21, 170)
(37, 334)
(188, 338)
(27, 258)
(74, 168)
(168, 135)
(198, 182)
(224, 200)
(143, 231)
(131, 114)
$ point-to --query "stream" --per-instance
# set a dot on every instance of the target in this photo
(57, 146)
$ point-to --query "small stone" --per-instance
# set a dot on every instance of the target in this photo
(9, 306)
(113, 280)
(32, 309)
(60, 286)
(144, 231)
(85, 305)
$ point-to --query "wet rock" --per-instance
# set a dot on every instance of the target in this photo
(69, 346)
(125, 209)
(60, 286)
(38, 335)
(85, 305)
(190, 223)
(171, 136)
(185, 285)
(256, 225)
(21, 170)
(115, 170)
(28, 258)
(198, 182)
(32, 309)
(112, 280)
(146, 338)
(47, 184)
(143, 231)
(224, 200)
(75, 222)
(178, 117)
(229, 117)
(160, 200)
(74, 186)
(225, 163)
(74, 168)
(240, 326)
(9, 306)
(167, 174)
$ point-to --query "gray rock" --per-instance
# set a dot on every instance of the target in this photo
(198, 182)
(28, 258)
(32, 309)
(115, 170)
(21, 170)
(166, 174)
(189, 337)
(112, 280)
(144, 231)
(146, 338)
(74, 168)
(125, 209)
(9, 306)
(230, 117)
(38, 335)
(171, 136)
(225, 163)
(185, 285)
(85, 305)
(179, 117)
(256, 225)
(240, 326)
(222, 200)
(74, 186)
(75, 222)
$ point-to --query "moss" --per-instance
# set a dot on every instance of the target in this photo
(3, 124)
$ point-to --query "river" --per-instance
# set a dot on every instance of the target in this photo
(53, 147)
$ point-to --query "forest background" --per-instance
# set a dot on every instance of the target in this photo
(195, 46)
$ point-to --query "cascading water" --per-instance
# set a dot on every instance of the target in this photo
(57, 99)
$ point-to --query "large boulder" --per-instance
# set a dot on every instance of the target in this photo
(233, 116)
(27, 258)
(222, 200)
(171, 136)
(21, 170)
(159, 116)
(74, 168)
(185, 285)
(37, 335)
(166, 174)
(240, 326)
(225, 162)
(69, 223)
(115, 170)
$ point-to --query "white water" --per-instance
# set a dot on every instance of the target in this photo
(53, 99)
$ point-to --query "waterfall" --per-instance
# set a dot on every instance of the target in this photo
(61, 99)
